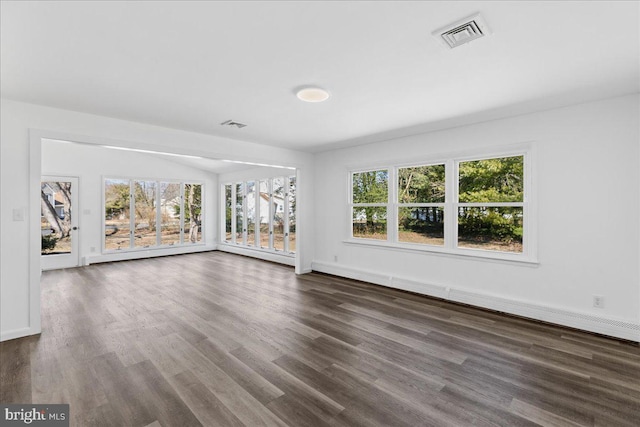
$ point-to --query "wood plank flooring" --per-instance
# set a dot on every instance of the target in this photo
(217, 339)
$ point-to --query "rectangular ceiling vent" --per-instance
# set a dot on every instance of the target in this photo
(463, 31)
(233, 123)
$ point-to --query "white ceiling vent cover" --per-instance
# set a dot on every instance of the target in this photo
(463, 31)
(233, 123)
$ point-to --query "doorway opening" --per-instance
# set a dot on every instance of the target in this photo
(59, 222)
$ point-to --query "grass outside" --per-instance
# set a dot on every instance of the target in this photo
(117, 235)
(488, 244)
(63, 246)
(406, 236)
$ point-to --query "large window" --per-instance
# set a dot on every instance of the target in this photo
(170, 224)
(261, 214)
(117, 215)
(491, 204)
(464, 205)
(370, 204)
(291, 240)
(147, 214)
(192, 213)
(250, 202)
(421, 197)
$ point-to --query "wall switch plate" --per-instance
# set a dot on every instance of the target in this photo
(598, 301)
(86, 211)
(18, 214)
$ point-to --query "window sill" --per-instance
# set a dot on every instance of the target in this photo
(478, 254)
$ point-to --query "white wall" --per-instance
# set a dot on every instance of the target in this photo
(588, 198)
(20, 120)
(92, 164)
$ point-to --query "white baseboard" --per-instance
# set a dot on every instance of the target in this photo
(599, 324)
(149, 253)
(258, 253)
(17, 333)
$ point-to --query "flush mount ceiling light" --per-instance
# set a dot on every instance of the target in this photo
(312, 94)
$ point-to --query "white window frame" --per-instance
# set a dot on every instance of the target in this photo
(387, 205)
(398, 205)
(270, 214)
(451, 205)
(132, 247)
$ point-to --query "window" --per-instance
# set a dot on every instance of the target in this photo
(117, 214)
(250, 201)
(265, 209)
(468, 205)
(370, 204)
(240, 213)
(170, 213)
(421, 197)
(193, 213)
(263, 215)
(277, 203)
(142, 214)
(292, 215)
(228, 213)
(490, 204)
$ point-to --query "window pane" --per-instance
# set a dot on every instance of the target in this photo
(421, 225)
(278, 213)
(55, 217)
(192, 213)
(116, 216)
(370, 187)
(228, 212)
(170, 205)
(421, 184)
(239, 214)
(264, 214)
(292, 214)
(145, 214)
(251, 213)
(490, 228)
(492, 180)
(370, 222)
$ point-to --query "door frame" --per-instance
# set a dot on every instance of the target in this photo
(57, 261)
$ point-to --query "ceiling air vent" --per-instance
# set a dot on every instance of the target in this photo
(233, 123)
(463, 31)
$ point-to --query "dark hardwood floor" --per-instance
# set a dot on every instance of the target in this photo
(218, 339)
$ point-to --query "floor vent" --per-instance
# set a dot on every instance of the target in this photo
(233, 123)
(463, 31)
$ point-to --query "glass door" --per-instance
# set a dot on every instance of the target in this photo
(59, 222)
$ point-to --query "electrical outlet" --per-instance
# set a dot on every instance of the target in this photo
(93, 249)
(335, 258)
(598, 301)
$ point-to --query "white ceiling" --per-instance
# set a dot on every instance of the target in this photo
(192, 65)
